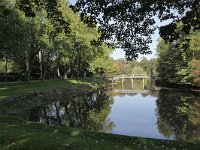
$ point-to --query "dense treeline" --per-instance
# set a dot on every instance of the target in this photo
(46, 46)
(144, 66)
(179, 61)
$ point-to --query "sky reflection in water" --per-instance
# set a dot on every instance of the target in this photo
(134, 110)
(135, 116)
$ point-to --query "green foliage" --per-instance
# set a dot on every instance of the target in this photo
(132, 29)
(176, 60)
(131, 23)
(9, 67)
(48, 40)
(102, 65)
(144, 66)
(138, 70)
(195, 68)
(128, 67)
(166, 62)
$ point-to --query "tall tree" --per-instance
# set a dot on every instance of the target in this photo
(132, 22)
(178, 61)
(10, 33)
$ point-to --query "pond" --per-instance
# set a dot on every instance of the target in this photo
(132, 108)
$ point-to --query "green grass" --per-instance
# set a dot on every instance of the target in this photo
(24, 135)
(21, 88)
(30, 101)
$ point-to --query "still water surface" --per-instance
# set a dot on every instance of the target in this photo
(128, 108)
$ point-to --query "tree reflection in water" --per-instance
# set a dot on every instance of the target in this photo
(178, 114)
(87, 111)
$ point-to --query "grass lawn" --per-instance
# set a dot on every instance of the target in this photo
(21, 88)
(24, 135)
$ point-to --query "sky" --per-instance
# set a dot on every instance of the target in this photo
(119, 53)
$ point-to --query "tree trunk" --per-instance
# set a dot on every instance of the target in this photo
(78, 70)
(41, 63)
(58, 72)
(6, 70)
(45, 67)
(58, 68)
(85, 74)
(27, 69)
(44, 71)
(29, 64)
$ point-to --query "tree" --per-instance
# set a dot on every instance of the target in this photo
(46, 39)
(131, 23)
(178, 61)
(138, 70)
(146, 65)
(166, 64)
(196, 72)
(81, 51)
(129, 66)
(121, 65)
(102, 64)
(10, 33)
(52, 8)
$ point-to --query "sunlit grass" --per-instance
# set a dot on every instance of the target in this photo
(4, 88)
(3, 96)
(21, 88)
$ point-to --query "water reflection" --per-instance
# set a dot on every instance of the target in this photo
(135, 109)
(178, 114)
(88, 111)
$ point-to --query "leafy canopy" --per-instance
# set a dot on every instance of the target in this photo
(130, 23)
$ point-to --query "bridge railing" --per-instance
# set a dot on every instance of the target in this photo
(131, 76)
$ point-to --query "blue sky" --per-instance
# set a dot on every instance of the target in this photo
(119, 53)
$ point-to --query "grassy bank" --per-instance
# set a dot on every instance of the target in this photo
(22, 135)
(21, 88)
(42, 93)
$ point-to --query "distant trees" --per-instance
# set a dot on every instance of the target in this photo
(138, 70)
(43, 40)
(121, 63)
(144, 66)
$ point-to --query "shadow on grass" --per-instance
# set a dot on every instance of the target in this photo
(23, 135)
